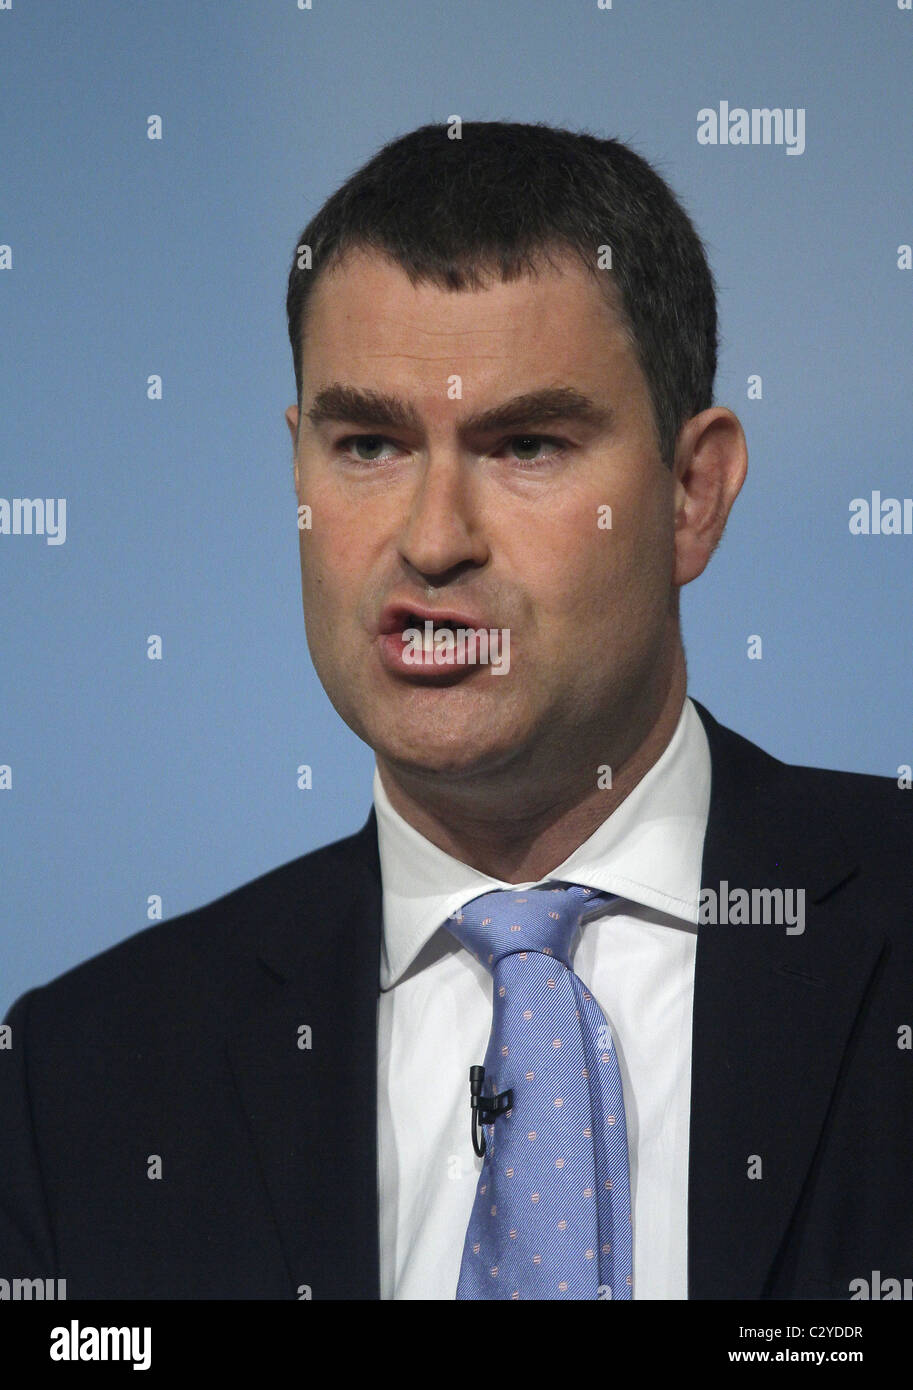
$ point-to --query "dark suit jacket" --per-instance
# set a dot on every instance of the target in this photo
(182, 1042)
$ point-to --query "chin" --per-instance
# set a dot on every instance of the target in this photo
(449, 756)
(437, 730)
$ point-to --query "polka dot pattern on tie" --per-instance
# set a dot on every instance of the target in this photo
(552, 1212)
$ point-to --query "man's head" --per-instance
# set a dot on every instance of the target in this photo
(498, 430)
(505, 196)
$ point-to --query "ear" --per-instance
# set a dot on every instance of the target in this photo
(291, 419)
(711, 460)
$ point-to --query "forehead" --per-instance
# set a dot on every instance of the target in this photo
(365, 318)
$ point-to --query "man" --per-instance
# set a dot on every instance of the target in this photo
(507, 465)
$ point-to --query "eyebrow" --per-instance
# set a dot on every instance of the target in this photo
(378, 409)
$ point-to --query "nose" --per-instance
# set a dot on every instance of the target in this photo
(443, 530)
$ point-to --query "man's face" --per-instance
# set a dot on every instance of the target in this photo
(482, 523)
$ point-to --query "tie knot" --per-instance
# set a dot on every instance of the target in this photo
(504, 922)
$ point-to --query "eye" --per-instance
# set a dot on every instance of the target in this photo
(526, 447)
(364, 447)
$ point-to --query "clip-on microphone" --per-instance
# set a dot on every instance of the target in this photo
(484, 1108)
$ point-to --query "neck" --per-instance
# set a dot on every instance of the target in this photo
(472, 824)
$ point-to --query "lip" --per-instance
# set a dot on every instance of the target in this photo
(395, 619)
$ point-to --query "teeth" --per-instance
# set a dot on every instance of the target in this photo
(413, 620)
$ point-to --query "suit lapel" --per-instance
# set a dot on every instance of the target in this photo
(311, 1110)
(772, 1016)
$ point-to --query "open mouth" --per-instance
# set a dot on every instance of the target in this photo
(412, 620)
(434, 645)
(397, 619)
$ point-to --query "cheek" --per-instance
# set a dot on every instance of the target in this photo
(333, 533)
(319, 587)
(600, 574)
(334, 585)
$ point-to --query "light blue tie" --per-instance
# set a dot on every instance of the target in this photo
(552, 1211)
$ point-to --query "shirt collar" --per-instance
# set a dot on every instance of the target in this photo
(647, 851)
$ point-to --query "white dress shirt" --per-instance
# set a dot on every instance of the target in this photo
(435, 1013)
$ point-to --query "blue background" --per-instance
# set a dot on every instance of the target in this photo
(133, 257)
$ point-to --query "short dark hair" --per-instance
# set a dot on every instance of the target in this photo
(503, 197)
